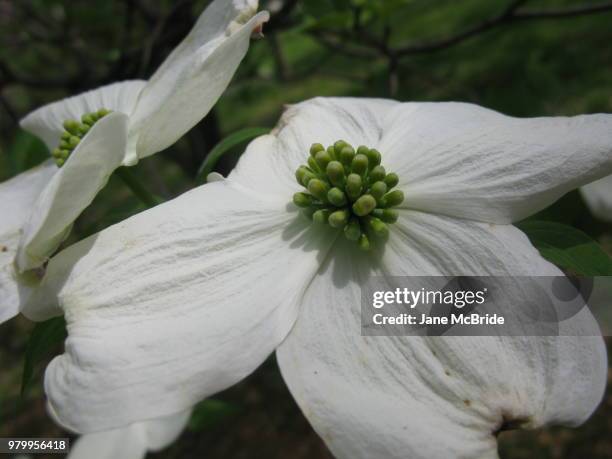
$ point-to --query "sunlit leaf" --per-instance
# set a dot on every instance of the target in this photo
(568, 248)
(210, 412)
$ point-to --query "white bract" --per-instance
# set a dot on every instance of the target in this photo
(146, 117)
(598, 197)
(186, 299)
(17, 196)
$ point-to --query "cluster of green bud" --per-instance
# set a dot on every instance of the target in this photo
(74, 131)
(349, 190)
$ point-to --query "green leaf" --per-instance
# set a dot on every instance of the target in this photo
(568, 247)
(210, 412)
(226, 145)
(44, 338)
(25, 151)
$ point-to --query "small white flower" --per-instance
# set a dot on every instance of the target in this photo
(186, 299)
(598, 197)
(145, 117)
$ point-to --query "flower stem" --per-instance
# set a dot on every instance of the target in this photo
(132, 182)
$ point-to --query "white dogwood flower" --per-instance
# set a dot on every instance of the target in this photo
(94, 133)
(185, 299)
(598, 197)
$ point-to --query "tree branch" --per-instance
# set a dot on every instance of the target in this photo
(510, 15)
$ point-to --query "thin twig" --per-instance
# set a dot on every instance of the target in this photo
(510, 15)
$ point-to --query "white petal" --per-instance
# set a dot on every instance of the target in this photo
(269, 163)
(47, 121)
(72, 189)
(17, 196)
(434, 397)
(174, 304)
(187, 85)
(131, 442)
(464, 160)
(598, 196)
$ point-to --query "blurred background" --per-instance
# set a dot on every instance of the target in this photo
(524, 58)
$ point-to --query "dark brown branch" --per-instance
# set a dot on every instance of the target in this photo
(510, 15)
(335, 44)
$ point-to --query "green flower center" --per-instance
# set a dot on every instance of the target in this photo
(349, 190)
(74, 131)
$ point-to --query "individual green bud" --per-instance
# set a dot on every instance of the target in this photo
(312, 163)
(377, 227)
(321, 216)
(378, 190)
(352, 231)
(88, 119)
(394, 198)
(346, 155)
(64, 154)
(386, 215)
(302, 199)
(72, 126)
(65, 145)
(359, 165)
(364, 205)
(60, 162)
(335, 172)
(331, 152)
(377, 173)
(318, 188)
(315, 148)
(374, 157)
(363, 150)
(391, 180)
(300, 173)
(338, 218)
(83, 129)
(364, 243)
(102, 113)
(353, 186)
(339, 145)
(323, 159)
(336, 197)
(74, 141)
(56, 153)
(65, 135)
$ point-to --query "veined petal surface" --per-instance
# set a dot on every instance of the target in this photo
(174, 304)
(268, 166)
(433, 397)
(471, 162)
